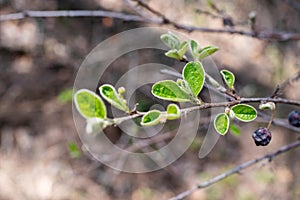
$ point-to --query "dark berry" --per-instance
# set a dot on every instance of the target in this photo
(294, 118)
(262, 136)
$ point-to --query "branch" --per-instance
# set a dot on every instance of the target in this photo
(237, 169)
(283, 85)
(264, 118)
(70, 13)
(142, 144)
(263, 35)
(203, 106)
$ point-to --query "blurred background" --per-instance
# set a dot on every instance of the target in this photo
(41, 155)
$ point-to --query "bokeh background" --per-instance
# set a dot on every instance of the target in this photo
(39, 58)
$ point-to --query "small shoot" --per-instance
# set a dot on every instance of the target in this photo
(229, 78)
(194, 49)
(177, 48)
(207, 51)
(201, 53)
(173, 54)
(170, 40)
(116, 99)
(182, 50)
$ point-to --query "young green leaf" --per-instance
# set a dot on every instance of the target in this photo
(210, 3)
(173, 112)
(221, 123)
(173, 53)
(244, 112)
(65, 96)
(74, 150)
(234, 130)
(170, 40)
(182, 49)
(170, 90)
(194, 49)
(151, 118)
(109, 93)
(89, 104)
(194, 74)
(228, 78)
(207, 51)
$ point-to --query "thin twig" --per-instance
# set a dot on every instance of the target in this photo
(70, 13)
(263, 35)
(215, 105)
(276, 122)
(266, 35)
(283, 85)
(208, 13)
(237, 169)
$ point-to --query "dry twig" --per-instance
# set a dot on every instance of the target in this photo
(162, 20)
(237, 170)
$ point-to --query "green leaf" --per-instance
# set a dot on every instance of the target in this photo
(109, 93)
(207, 51)
(194, 74)
(170, 40)
(182, 49)
(173, 112)
(89, 104)
(65, 96)
(228, 78)
(210, 3)
(244, 112)
(173, 54)
(74, 150)
(221, 123)
(194, 49)
(170, 90)
(234, 129)
(151, 118)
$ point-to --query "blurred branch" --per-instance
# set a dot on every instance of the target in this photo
(208, 13)
(264, 35)
(283, 85)
(238, 169)
(262, 117)
(141, 144)
(70, 13)
(293, 4)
